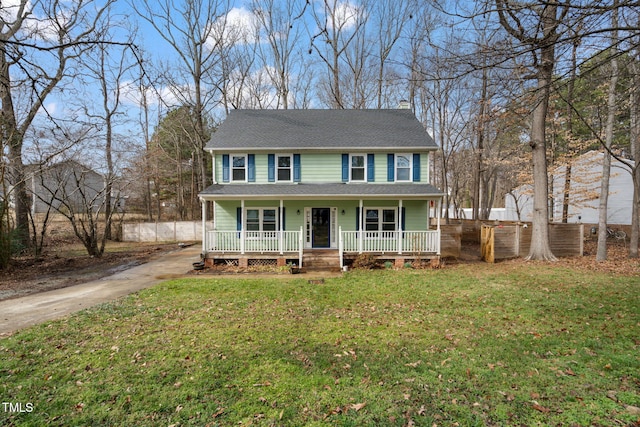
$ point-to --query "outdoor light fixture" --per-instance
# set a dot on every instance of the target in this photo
(342, 211)
(298, 212)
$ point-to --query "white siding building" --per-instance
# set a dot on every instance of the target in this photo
(584, 199)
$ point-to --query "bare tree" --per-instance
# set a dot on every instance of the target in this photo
(601, 254)
(109, 67)
(194, 29)
(337, 25)
(537, 26)
(38, 43)
(280, 23)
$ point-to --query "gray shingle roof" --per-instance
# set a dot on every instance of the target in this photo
(335, 191)
(320, 129)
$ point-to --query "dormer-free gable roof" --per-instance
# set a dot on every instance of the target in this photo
(255, 130)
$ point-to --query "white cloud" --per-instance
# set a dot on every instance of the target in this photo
(155, 96)
(9, 9)
(237, 26)
(346, 16)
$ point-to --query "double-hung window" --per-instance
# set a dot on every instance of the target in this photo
(377, 219)
(262, 219)
(357, 171)
(239, 167)
(284, 165)
(404, 167)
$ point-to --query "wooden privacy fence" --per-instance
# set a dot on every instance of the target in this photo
(512, 241)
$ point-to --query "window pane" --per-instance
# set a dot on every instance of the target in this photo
(238, 161)
(357, 161)
(371, 227)
(357, 174)
(284, 174)
(403, 174)
(238, 175)
(372, 215)
(269, 215)
(403, 161)
(389, 215)
(388, 227)
(284, 162)
(253, 215)
(268, 227)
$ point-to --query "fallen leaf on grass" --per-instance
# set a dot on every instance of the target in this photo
(357, 406)
(541, 408)
(414, 364)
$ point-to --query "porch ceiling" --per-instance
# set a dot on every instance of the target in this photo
(328, 191)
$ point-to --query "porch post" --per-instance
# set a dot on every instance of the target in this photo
(400, 226)
(340, 246)
(242, 228)
(203, 202)
(360, 233)
(280, 240)
(439, 242)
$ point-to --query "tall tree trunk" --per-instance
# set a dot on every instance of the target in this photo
(601, 253)
(540, 249)
(12, 136)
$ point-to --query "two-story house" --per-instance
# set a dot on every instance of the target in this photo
(293, 185)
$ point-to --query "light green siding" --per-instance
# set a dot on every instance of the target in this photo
(416, 212)
(324, 167)
(321, 167)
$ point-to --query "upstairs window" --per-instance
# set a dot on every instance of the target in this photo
(357, 171)
(403, 167)
(284, 168)
(239, 168)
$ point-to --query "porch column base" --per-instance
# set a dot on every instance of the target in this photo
(399, 262)
(243, 262)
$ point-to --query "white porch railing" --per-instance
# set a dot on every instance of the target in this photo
(389, 242)
(254, 241)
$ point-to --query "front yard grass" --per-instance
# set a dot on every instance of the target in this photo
(469, 345)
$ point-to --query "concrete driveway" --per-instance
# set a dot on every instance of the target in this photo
(21, 312)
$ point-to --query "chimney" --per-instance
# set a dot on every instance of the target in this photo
(404, 105)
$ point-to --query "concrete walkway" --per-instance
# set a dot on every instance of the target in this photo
(26, 311)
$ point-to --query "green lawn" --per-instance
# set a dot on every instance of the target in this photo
(467, 345)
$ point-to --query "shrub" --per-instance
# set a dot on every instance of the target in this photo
(365, 262)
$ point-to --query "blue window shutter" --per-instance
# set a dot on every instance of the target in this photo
(403, 216)
(296, 168)
(371, 174)
(225, 168)
(238, 219)
(345, 167)
(391, 171)
(357, 218)
(416, 167)
(251, 168)
(271, 160)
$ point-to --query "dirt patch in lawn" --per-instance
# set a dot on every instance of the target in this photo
(65, 264)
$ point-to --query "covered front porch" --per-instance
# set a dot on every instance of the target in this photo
(303, 227)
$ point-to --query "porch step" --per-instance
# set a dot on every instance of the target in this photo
(320, 260)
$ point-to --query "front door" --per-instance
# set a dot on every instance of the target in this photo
(321, 227)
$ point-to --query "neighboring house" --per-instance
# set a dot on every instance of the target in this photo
(584, 198)
(67, 185)
(294, 184)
